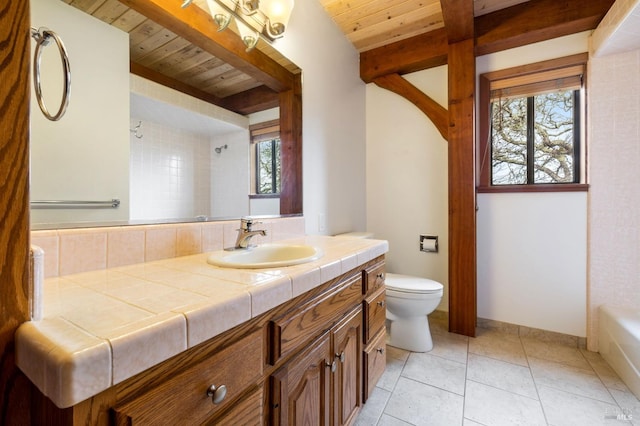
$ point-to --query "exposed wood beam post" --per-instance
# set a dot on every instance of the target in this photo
(458, 16)
(436, 113)
(15, 388)
(195, 25)
(291, 149)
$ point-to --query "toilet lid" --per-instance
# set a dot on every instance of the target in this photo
(409, 284)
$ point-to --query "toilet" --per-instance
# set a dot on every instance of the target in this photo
(409, 301)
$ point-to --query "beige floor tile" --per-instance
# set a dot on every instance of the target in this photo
(491, 406)
(372, 410)
(502, 375)
(569, 379)
(628, 403)
(421, 404)
(555, 352)
(567, 409)
(435, 371)
(498, 345)
(498, 379)
(392, 371)
(386, 420)
(450, 345)
(608, 376)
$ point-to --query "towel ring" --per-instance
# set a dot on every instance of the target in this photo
(42, 36)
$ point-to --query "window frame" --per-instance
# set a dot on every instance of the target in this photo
(261, 132)
(529, 73)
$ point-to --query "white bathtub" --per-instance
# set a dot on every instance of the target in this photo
(619, 343)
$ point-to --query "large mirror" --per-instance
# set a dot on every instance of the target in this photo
(162, 154)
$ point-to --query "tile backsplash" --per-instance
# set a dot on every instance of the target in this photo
(71, 251)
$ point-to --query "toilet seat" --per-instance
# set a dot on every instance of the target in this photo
(406, 285)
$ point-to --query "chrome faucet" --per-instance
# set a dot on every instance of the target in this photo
(245, 233)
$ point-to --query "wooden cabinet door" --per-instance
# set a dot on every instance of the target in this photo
(347, 340)
(301, 389)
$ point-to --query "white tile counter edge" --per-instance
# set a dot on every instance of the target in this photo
(71, 355)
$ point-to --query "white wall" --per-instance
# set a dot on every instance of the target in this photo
(92, 138)
(333, 116)
(531, 252)
(614, 204)
(230, 176)
(531, 267)
(407, 178)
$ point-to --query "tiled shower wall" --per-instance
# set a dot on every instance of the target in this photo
(70, 251)
(169, 172)
(614, 205)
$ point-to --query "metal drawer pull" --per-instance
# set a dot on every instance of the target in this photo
(381, 303)
(217, 394)
(381, 350)
(380, 276)
(340, 356)
(333, 366)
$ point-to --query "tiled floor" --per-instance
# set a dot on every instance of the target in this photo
(498, 379)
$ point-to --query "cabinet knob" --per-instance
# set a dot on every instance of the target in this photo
(380, 276)
(381, 303)
(381, 350)
(340, 356)
(332, 365)
(217, 394)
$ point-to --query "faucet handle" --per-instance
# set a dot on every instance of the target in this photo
(246, 223)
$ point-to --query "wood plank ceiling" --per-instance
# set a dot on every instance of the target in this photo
(369, 24)
(159, 54)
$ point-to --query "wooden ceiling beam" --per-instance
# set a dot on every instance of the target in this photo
(515, 26)
(197, 26)
(253, 100)
(421, 52)
(178, 85)
(535, 21)
(458, 19)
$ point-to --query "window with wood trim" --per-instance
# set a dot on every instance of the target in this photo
(531, 128)
(266, 158)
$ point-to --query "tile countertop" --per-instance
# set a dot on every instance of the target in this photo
(100, 328)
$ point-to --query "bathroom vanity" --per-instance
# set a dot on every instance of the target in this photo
(312, 359)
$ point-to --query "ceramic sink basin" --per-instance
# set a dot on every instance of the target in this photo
(266, 256)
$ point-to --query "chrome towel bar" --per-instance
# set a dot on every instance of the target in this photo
(53, 204)
(42, 37)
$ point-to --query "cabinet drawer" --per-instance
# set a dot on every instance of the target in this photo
(375, 361)
(373, 278)
(291, 332)
(375, 314)
(183, 399)
(248, 411)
